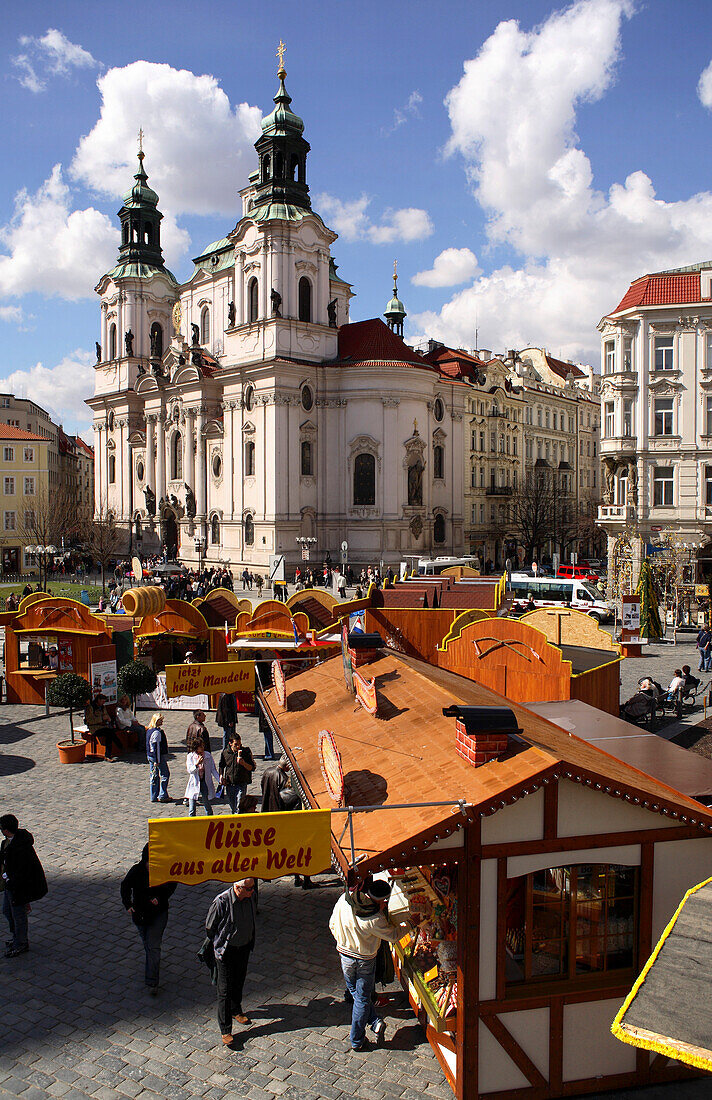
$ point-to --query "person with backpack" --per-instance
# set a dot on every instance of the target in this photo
(23, 879)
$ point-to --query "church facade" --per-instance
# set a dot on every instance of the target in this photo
(241, 412)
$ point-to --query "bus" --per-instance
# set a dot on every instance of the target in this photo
(433, 567)
(582, 595)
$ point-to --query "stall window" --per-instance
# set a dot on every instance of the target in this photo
(569, 922)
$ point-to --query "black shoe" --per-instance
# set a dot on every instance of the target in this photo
(13, 952)
(307, 883)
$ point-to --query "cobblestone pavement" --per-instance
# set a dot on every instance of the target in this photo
(77, 1021)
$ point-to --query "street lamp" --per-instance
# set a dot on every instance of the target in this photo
(305, 541)
(42, 553)
(200, 543)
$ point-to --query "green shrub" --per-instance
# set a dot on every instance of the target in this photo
(69, 690)
(136, 678)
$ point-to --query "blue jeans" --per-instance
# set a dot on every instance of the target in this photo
(360, 978)
(17, 919)
(204, 798)
(235, 794)
(152, 934)
(159, 779)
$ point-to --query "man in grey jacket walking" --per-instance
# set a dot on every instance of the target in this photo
(230, 924)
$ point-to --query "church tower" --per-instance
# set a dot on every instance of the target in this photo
(282, 153)
(394, 312)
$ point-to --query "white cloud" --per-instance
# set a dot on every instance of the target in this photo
(199, 149)
(60, 389)
(352, 223)
(513, 119)
(452, 266)
(704, 87)
(410, 109)
(51, 55)
(52, 249)
(11, 313)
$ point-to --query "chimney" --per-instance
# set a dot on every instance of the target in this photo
(482, 733)
(363, 648)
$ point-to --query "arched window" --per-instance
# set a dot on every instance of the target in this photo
(148, 235)
(205, 326)
(278, 166)
(125, 235)
(112, 469)
(249, 530)
(306, 459)
(294, 168)
(305, 293)
(438, 462)
(156, 340)
(439, 529)
(177, 457)
(249, 399)
(365, 479)
(112, 342)
(265, 167)
(249, 458)
(253, 308)
(215, 531)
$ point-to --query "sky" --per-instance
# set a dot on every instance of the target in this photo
(523, 161)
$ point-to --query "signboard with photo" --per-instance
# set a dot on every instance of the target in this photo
(103, 672)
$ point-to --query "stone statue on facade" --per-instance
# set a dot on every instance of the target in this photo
(231, 314)
(632, 483)
(98, 351)
(128, 342)
(155, 348)
(608, 484)
(190, 508)
(196, 335)
(415, 483)
(150, 501)
(331, 313)
(276, 299)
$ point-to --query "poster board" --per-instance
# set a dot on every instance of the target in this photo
(65, 655)
(331, 767)
(630, 612)
(210, 678)
(103, 672)
(366, 692)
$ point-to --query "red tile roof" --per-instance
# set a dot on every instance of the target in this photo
(373, 342)
(454, 362)
(9, 431)
(661, 290)
(564, 369)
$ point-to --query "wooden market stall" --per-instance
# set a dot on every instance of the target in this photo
(46, 636)
(164, 637)
(537, 878)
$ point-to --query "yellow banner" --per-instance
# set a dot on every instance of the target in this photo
(235, 846)
(210, 678)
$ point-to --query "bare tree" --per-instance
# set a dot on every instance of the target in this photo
(532, 510)
(103, 539)
(51, 520)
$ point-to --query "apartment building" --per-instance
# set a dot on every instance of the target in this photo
(24, 481)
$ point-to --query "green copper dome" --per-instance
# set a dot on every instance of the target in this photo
(282, 121)
(141, 194)
(394, 312)
(395, 306)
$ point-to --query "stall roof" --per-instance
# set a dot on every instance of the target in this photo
(669, 1008)
(584, 659)
(681, 769)
(407, 754)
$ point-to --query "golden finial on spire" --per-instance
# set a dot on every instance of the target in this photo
(140, 141)
(395, 278)
(280, 54)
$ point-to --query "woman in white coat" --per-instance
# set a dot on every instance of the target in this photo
(202, 777)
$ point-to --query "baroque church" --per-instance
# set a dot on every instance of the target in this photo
(242, 411)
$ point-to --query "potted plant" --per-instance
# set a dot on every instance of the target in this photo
(136, 678)
(69, 690)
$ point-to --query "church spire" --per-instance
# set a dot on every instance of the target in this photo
(394, 312)
(141, 221)
(282, 151)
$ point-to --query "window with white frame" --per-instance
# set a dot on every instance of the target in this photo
(8, 486)
(538, 416)
(609, 357)
(473, 479)
(29, 486)
(474, 513)
(546, 417)
(627, 418)
(8, 454)
(663, 486)
(628, 353)
(610, 420)
(663, 346)
(708, 486)
(663, 416)
(9, 521)
(29, 519)
(622, 489)
(572, 427)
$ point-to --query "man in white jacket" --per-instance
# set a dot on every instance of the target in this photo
(359, 923)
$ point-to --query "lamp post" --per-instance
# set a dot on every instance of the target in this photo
(42, 552)
(200, 546)
(306, 542)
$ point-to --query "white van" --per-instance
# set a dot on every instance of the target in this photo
(433, 567)
(580, 594)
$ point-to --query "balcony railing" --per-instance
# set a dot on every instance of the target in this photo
(499, 491)
(617, 512)
(618, 443)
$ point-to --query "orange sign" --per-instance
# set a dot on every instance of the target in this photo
(280, 684)
(366, 693)
(331, 769)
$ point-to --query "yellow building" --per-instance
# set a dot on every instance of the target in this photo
(24, 483)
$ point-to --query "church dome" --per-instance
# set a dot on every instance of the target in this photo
(282, 121)
(141, 194)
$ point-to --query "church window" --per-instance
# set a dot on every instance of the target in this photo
(306, 459)
(140, 470)
(148, 235)
(249, 458)
(125, 235)
(294, 168)
(439, 529)
(112, 469)
(438, 409)
(205, 326)
(112, 342)
(217, 466)
(215, 531)
(265, 167)
(249, 530)
(305, 296)
(110, 420)
(156, 340)
(438, 462)
(365, 479)
(253, 309)
(249, 399)
(278, 166)
(177, 457)
(307, 398)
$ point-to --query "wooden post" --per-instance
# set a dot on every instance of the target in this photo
(468, 963)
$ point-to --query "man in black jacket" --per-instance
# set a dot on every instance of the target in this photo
(23, 879)
(148, 906)
(236, 767)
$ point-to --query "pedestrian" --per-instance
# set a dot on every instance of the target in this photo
(704, 645)
(23, 880)
(236, 767)
(197, 728)
(341, 584)
(359, 923)
(290, 800)
(157, 753)
(274, 780)
(148, 906)
(230, 925)
(226, 716)
(259, 581)
(202, 777)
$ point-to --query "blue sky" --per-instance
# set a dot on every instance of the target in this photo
(523, 161)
